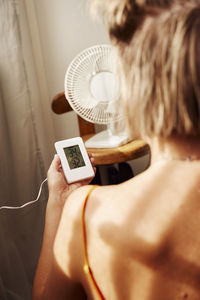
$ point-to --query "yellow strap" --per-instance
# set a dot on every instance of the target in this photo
(86, 267)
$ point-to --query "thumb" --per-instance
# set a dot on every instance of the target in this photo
(55, 164)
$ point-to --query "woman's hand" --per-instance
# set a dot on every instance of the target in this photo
(57, 184)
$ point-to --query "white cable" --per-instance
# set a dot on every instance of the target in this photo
(27, 203)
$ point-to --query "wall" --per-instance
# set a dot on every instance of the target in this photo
(65, 28)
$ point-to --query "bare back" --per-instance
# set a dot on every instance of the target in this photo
(143, 235)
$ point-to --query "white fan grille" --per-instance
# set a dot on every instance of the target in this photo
(79, 75)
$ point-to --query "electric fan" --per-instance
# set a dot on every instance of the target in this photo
(92, 90)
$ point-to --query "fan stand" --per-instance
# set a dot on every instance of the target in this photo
(107, 139)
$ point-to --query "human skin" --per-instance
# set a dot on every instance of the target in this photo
(143, 239)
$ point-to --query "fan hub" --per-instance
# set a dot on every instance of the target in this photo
(104, 87)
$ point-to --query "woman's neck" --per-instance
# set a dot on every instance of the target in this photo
(175, 148)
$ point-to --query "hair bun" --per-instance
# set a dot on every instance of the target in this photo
(126, 20)
(123, 17)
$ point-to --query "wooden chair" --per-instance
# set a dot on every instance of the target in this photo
(132, 150)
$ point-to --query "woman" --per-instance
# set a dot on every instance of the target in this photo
(139, 239)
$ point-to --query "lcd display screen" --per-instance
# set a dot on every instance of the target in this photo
(74, 157)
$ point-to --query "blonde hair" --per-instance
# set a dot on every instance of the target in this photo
(159, 70)
(123, 17)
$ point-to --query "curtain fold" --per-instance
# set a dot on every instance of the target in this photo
(21, 163)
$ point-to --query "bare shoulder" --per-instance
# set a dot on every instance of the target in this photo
(68, 246)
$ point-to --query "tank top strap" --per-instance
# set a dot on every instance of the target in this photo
(86, 268)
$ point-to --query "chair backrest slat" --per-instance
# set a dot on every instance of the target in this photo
(60, 105)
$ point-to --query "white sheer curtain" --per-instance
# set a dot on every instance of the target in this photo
(21, 162)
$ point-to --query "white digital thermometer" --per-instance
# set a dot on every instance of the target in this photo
(74, 159)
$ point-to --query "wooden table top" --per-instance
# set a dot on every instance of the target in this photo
(106, 156)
